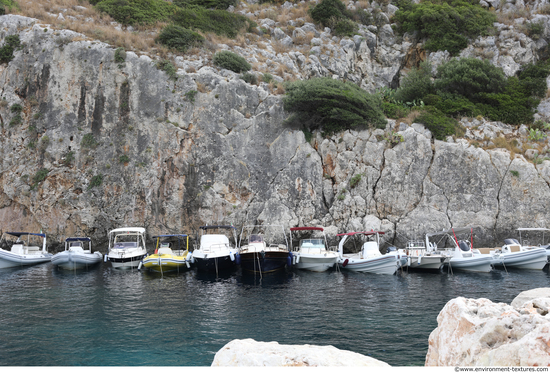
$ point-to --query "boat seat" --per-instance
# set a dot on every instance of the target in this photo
(165, 251)
(33, 248)
(18, 249)
(514, 248)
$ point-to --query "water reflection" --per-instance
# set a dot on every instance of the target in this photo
(103, 316)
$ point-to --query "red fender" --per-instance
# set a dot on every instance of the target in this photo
(345, 263)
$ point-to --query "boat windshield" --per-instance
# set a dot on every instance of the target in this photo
(255, 238)
(511, 241)
(313, 243)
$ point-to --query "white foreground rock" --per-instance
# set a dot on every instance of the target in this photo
(248, 352)
(478, 332)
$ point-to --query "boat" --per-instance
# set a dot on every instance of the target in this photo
(369, 259)
(543, 243)
(76, 256)
(25, 251)
(171, 254)
(422, 256)
(461, 254)
(215, 253)
(312, 253)
(514, 255)
(259, 257)
(126, 247)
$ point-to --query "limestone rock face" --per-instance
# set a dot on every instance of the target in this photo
(248, 353)
(478, 332)
(123, 144)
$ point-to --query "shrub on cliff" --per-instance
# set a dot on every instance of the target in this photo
(137, 12)
(220, 22)
(331, 105)
(437, 122)
(11, 43)
(179, 38)
(446, 24)
(416, 84)
(208, 4)
(469, 77)
(231, 61)
(327, 11)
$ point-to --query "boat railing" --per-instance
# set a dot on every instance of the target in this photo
(215, 247)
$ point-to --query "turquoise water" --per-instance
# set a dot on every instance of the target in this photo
(111, 317)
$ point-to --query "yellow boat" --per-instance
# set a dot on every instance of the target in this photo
(171, 254)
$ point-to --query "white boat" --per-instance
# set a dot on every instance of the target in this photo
(368, 259)
(312, 253)
(260, 257)
(76, 254)
(461, 254)
(215, 252)
(126, 247)
(25, 251)
(422, 256)
(514, 255)
(542, 242)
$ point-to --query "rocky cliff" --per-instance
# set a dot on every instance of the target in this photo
(103, 144)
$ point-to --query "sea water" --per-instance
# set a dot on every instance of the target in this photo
(108, 317)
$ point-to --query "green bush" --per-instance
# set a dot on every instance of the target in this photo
(456, 105)
(16, 120)
(231, 61)
(250, 78)
(124, 159)
(168, 67)
(394, 110)
(469, 77)
(11, 43)
(534, 30)
(16, 108)
(190, 95)
(88, 141)
(179, 38)
(327, 11)
(137, 12)
(533, 79)
(416, 84)
(332, 105)
(220, 22)
(438, 123)
(96, 181)
(120, 55)
(39, 177)
(446, 24)
(512, 106)
(267, 78)
(208, 4)
(345, 27)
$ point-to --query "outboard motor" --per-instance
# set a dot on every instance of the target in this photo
(464, 246)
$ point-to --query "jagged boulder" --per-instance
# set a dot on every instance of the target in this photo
(478, 332)
(249, 353)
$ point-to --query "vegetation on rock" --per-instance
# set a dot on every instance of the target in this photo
(179, 38)
(231, 61)
(11, 43)
(445, 24)
(468, 87)
(331, 105)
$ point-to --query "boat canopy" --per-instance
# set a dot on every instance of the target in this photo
(170, 235)
(73, 239)
(205, 227)
(128, 230)
(19, 234)
(451, 231)
(365, 233)
(306, 229)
